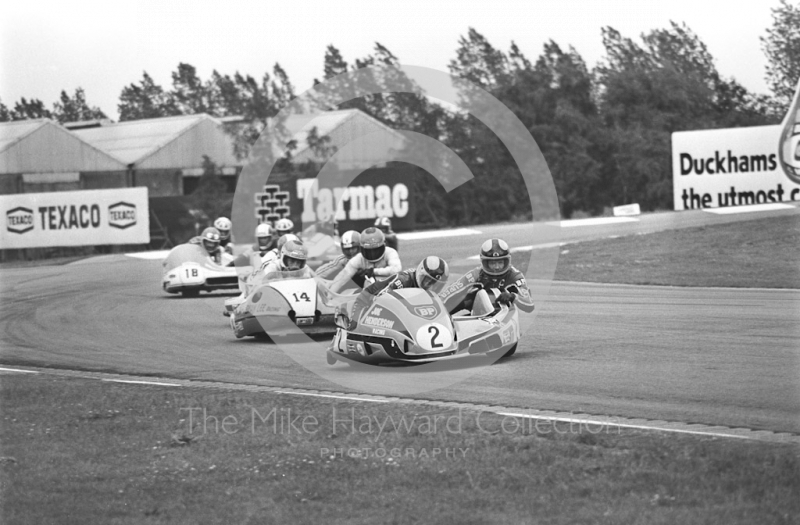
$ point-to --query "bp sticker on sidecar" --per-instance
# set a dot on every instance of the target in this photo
(434, 336)
(420, 305)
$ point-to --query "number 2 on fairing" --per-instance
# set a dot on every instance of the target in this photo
(303, 297)
(435, 331)
(434, 336)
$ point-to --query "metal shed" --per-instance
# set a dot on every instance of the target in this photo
(162, 152)
(40, 155)
(342, 127)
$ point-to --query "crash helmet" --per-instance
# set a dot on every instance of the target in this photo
(223, 224)
(210, 239)
(373, 244)
(294, 255)
(351, 243)
(283, 239)
(432, 273)
(384, 224)
(284, 226)
(495, 257)
(263, 235)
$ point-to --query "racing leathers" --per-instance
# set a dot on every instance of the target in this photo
(512, 285)
(358, 269)
(269, 263)
(404, 279)
(254, 256)
(226, 244)
(215, 256)
(331, 269)
(269, 269)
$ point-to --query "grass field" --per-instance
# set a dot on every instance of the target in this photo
(759, 253)
(114, 453)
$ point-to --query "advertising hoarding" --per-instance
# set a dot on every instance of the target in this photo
(729, 167)
(374, 193)
(75, 218)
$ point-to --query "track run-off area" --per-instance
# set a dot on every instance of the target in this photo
(721, 357)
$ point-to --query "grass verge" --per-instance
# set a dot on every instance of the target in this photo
(116, 453)
(758, 253)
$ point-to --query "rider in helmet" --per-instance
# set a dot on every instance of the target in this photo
(223, 224)
(284, 226)
(275, 253)
(253, 255)
(495, 271)
(376, 260)
(384, 224)
(351, 246)
(263, 238)
(430, 274)
(209, 240)
(290, 254)
(293, 258)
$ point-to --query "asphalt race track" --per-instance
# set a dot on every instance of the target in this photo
(718, 356)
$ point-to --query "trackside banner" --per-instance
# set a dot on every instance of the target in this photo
(75, 218)
(729, 167)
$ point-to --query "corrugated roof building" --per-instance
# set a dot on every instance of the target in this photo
(166, 154)
(342, 127)
(40, 155)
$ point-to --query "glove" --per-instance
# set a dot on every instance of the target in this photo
(369, 272)
(506, 298)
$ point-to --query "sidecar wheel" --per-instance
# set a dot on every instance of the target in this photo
(510, 352)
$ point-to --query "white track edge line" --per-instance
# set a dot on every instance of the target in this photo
(135, 382)
(600, 422)
(312, 394)
(3, 369)
(792, 437)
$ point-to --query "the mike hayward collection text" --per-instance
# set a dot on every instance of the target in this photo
(287, 421)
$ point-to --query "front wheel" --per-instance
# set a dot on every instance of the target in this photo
(331, 359)
(190, 293)
(510, 352)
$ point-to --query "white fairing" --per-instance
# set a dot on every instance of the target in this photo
(191, 274)
(301, 295)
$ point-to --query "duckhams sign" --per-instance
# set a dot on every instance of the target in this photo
(75, 218)
(729, 167)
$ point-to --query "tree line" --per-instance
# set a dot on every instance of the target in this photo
(605, 131)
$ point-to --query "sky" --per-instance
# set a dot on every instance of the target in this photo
(103, 46)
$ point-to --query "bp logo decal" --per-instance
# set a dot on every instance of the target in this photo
(122, 215)
(19, 220)
(426, 312)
